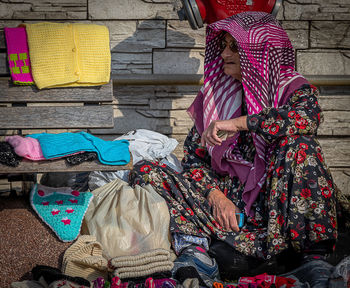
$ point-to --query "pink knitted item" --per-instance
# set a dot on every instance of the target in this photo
(26, 147)
(18, 55)
(29, 148)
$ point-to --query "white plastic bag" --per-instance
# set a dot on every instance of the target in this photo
(144, 145)
(126, 220)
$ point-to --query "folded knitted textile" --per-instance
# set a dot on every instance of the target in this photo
(62, 209)
(143, 264)
(84, 258)
(8, 156)
(66, 54)
(26, 147)
(29, 147)
(18, 55)
(80, 158)
(63, 144)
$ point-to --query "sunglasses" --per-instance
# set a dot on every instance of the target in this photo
(232, 45)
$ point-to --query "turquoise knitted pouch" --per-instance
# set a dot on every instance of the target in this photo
(62, 209)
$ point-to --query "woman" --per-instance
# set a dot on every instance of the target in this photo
(252, 149)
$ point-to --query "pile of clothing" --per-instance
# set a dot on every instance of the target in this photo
(74, 147)
(120, 236)
(53, 55)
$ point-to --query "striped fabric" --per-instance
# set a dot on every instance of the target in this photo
(267, 67)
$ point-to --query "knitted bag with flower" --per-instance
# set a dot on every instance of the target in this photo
(62, 209)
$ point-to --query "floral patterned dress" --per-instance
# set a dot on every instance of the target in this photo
(295, 208)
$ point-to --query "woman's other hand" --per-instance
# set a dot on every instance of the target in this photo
(224, 211)
(232, 126)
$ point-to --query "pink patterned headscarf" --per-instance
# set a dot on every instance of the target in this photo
(268, 78)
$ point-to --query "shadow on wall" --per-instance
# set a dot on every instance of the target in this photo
(147, 52)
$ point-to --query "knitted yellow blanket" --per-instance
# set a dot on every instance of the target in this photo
(66, 54)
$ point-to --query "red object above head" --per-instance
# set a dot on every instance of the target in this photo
(198, 12)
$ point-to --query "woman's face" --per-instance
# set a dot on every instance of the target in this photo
(230, 56)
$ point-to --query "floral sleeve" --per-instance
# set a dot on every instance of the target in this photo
(197, 166)
(300, 116)
(195, 155)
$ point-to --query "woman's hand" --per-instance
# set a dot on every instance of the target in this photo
(232, 126)
(224, 211)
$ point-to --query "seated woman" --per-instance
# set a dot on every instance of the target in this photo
(252, 149)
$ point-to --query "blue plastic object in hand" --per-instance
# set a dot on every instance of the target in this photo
(240, 219)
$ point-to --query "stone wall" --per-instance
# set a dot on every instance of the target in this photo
(147, 38)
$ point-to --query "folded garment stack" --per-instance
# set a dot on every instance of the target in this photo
(59, 54)
(144, 264)
(63, 144)
(69, 54)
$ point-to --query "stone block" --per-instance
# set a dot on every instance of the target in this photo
(341, 178)
(4, 69)
(321, 62)
(336, 151)
(337, 123)
(135, 36)
(133, 95)
(178, 61)
(28, 16)
(304, 11)
(152, 113)
(131, 9)
(176, 91)
(124, 63)
(330, 34)
(51, 9)
(5, 11)
(76, 15)
(55, 15)
(342, 16)
(298, 32)
(127, 119)
(280, 13)
(2, 35)
(170, 103)
(180, 34)
(316, 10)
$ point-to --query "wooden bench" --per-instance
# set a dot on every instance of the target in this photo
(24, 108)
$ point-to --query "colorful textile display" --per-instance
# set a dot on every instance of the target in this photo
(149, 283)
(66, 54)
(18, 55)
(62, 209)
(63, 144)
(26, 147)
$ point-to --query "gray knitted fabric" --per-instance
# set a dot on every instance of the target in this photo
(143, 264)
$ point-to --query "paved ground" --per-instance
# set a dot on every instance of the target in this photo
(25, 242)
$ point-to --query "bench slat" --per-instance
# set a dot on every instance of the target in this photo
(14, 93)
(60, 165)
(56, 117)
